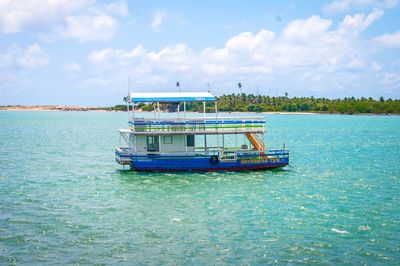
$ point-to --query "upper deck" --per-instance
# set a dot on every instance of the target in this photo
(197, 125)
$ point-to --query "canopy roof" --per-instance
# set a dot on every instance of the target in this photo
(172, 97)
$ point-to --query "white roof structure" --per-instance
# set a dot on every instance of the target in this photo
(172, 97)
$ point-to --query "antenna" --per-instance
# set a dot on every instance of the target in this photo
(258, 93)
(209, 87)
(129, 89)
(129, 99)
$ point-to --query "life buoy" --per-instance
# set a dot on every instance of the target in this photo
(214, 159)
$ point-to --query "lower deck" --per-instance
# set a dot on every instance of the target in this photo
(196, 162)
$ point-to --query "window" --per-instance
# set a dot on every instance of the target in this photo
(150, 140)
(190, 140)
(167, 139)
(152, 143)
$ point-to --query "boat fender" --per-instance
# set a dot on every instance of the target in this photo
(214, 159)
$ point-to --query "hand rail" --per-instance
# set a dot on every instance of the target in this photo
(197, 118)
(196, 125)
(219, 152)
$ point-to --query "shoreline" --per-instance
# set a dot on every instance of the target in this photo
(51, 108)
(64, 108)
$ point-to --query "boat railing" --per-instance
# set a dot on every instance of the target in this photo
(220, 124)
(223, 154)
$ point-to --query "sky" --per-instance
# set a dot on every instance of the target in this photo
(84, 52)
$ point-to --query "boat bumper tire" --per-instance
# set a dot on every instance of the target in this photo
(214, 159)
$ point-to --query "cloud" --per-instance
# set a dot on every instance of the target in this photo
(309, 56)
(390, 78)
(31, 57)
(359, 22)
(303, 30)
(100, 56)
(389, 40)
(83, 20)
(338, 6)
(118, 8)
(17, 16)
(158, 18)
(89, 28)
(72, 67)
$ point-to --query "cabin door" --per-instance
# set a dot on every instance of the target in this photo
(153, 144)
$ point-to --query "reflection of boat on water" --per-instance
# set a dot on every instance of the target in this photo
(206, 143)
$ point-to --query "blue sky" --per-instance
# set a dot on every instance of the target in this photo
(82, 52)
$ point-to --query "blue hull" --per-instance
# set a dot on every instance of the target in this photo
(164, 163)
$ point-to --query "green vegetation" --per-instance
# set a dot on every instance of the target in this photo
(262, 103)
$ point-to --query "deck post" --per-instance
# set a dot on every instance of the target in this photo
(185, 142)
(235, 142)
(263, 136)
(216, 124)
(158, 109)
(135, 137)
(205, 142)
(204, 109)
(184, 110)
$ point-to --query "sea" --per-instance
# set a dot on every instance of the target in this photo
(64, 199)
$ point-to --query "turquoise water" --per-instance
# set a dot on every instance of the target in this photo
(63, 199)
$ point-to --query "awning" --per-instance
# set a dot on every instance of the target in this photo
(138, 97)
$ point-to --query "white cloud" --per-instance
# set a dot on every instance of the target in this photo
(72, 67)
(83, 20)
(391, 78)
(346, 5)
(90, 28)
(15, 16)
(359, 22)
(31, 57)
(119, 8)
(158, 18)
(304, 29)
(389, 40)
(103, 55)
(99, 56)
(308, 54)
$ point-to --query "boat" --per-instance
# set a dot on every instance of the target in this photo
(184, 141)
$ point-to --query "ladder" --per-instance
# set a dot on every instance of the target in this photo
(256, 141)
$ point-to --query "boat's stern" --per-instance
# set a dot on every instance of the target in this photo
(123, 155)
(278, 157)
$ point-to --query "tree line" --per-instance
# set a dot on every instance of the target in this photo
(262, 103)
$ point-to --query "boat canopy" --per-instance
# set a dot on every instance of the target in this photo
(172, 97)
